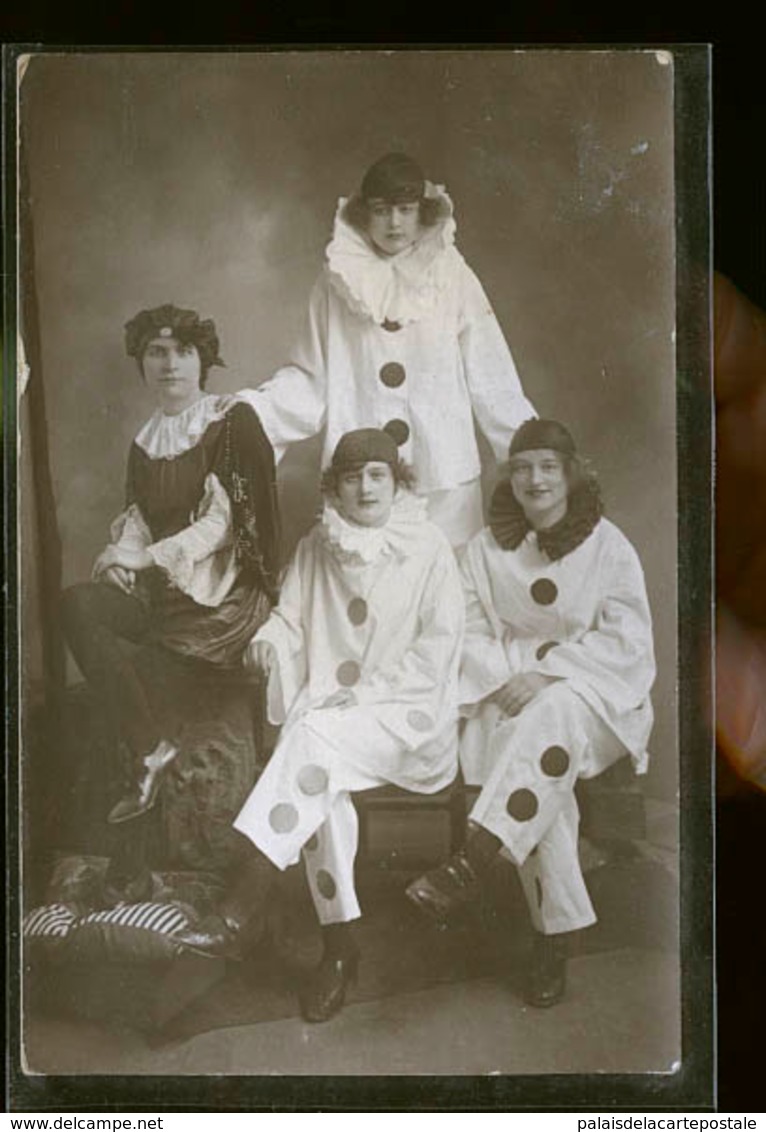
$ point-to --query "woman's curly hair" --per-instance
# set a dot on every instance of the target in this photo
(356, 212)
(184, 325)
(509, 524)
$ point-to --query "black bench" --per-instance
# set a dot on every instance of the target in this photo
(612, 815)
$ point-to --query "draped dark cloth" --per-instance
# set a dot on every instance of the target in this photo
(46, 538)
(248, 473)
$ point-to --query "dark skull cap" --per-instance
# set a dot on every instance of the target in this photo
(540, 433)
(362, 446)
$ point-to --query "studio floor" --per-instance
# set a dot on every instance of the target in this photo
(620, 1014)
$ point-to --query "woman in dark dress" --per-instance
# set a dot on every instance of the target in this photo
(192, 561)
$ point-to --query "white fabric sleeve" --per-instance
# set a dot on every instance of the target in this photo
(292, 404)
(485, 665)
(614, 659)
(497, 397)
(284, 631)
(199, 560)
(129, 530)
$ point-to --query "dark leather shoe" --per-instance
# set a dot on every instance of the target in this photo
(443, 892)
(218, 937)
(145, 792)
(325, 991)
(547, 977)
(240, 921)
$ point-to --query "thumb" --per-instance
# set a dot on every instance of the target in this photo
(741, 696)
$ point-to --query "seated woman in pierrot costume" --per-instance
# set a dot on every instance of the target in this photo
(556, 671)
(362, 655)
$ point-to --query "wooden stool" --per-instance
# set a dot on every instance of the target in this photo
(448, 804)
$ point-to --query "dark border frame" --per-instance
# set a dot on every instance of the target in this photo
(692, 1088)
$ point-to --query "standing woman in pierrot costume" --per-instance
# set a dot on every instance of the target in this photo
(400, 335)
(192, 560)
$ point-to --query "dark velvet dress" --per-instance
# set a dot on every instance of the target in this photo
(168, 492)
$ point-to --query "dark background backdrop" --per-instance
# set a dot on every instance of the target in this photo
(210, 180)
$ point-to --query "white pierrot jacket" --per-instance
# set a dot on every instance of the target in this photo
(379, 611)
(409, 342)
(584, 618)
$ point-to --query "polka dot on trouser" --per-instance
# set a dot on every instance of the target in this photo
(312, 844)
(554, 762)
(522, 805)
(419, 720)
(312, 779)
(283, 817)
(539, 892)
(326, 884)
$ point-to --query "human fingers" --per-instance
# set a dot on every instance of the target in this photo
(343, 698)
(507, 701)
(114, 576)
(740, 374)
(127, 577)
(259, 657)
(741, 696)
(739, 342)
(103, 563)
(523, 696)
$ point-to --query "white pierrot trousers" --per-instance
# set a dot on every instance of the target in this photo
(301, 804)
(527, 800)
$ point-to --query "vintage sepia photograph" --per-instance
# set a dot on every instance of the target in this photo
(349, 487)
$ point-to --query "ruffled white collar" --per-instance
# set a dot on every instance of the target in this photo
(164, 436)
(402, 288)
(361, 546)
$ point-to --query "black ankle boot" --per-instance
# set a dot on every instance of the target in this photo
(216, 937)
(324, 992)
(547, 976)
(445, 891)
(239, 921)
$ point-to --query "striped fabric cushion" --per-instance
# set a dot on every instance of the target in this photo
(51, 922)
(128, 933)
(164, 918)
